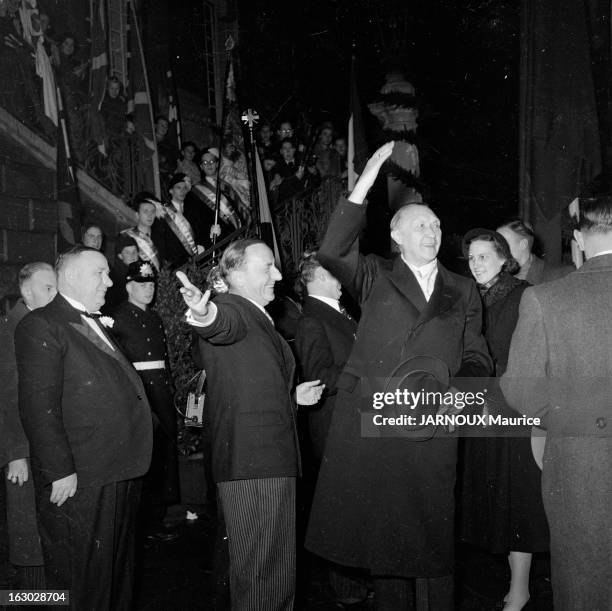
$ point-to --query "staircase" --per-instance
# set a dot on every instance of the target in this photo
(28, 202)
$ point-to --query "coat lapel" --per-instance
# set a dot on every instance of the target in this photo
(75, 321)
(286, 360)
(443, 297)
(405, 282)
(322, 311)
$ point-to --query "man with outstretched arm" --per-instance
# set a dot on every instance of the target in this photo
(251, 408)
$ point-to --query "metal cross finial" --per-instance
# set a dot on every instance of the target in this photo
(250, 117)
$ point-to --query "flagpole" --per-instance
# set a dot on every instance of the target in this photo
(156, 179)
(229, 46)
(250, 117)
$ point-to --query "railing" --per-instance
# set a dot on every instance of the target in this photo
(300, 222)
(21, 92)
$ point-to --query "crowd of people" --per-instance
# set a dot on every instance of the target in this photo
(89, 417)
(290, 164)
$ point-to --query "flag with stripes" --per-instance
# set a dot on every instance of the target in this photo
(357, 154)
(68, 200)
(265, 218)
(139, 106)
(234, 169)
(99, 71)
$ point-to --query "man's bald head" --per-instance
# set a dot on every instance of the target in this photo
(416, 231)
(82, 274)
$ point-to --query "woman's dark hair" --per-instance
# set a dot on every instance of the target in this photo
(510, 265)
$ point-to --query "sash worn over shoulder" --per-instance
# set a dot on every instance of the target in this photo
(147, 249)
(182, 229)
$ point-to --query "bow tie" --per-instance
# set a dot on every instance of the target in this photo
(94, 315)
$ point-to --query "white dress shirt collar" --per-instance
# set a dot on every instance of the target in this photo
(262, 309)
(179, 206)
(334, 303)
(599, 254)
(77, 305)
(425, 275)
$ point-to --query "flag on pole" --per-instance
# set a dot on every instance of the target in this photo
(99, 71)
(68, 200)
(233, 168)
(139, 105)
(357, 154)
(265, 218)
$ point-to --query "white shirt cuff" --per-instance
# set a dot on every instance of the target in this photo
(201, 321)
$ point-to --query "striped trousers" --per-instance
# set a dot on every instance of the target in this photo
(260, 520)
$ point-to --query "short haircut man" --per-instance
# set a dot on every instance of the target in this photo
(323, 341)
(255, 454)
(520, 237)
(38, 286)
(560, 370)
(400, 487)
(87, 420)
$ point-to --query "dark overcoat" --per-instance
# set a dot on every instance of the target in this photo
(560, 369)
(501, 484)
(323, 342)
(24, 542)
(387, 503)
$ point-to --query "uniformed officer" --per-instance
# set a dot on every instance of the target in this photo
(140, 332)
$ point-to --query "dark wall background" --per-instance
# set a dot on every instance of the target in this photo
(462, 57)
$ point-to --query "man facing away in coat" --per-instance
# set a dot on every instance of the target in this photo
(560, 369)
(255, 453)
(88, 422)
(387, 503)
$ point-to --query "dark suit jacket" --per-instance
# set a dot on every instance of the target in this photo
(560, 369)
(250, 372)
(323, 342)
(401, 488)
(83, 406)
(13, 442)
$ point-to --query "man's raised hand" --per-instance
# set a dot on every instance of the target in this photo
(192, 296)
(370, 172)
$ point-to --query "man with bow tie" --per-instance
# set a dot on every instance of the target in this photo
(385, 499)
(88, 422)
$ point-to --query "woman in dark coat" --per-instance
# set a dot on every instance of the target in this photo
(502, 497)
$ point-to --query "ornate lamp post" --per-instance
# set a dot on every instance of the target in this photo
(397, 111)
